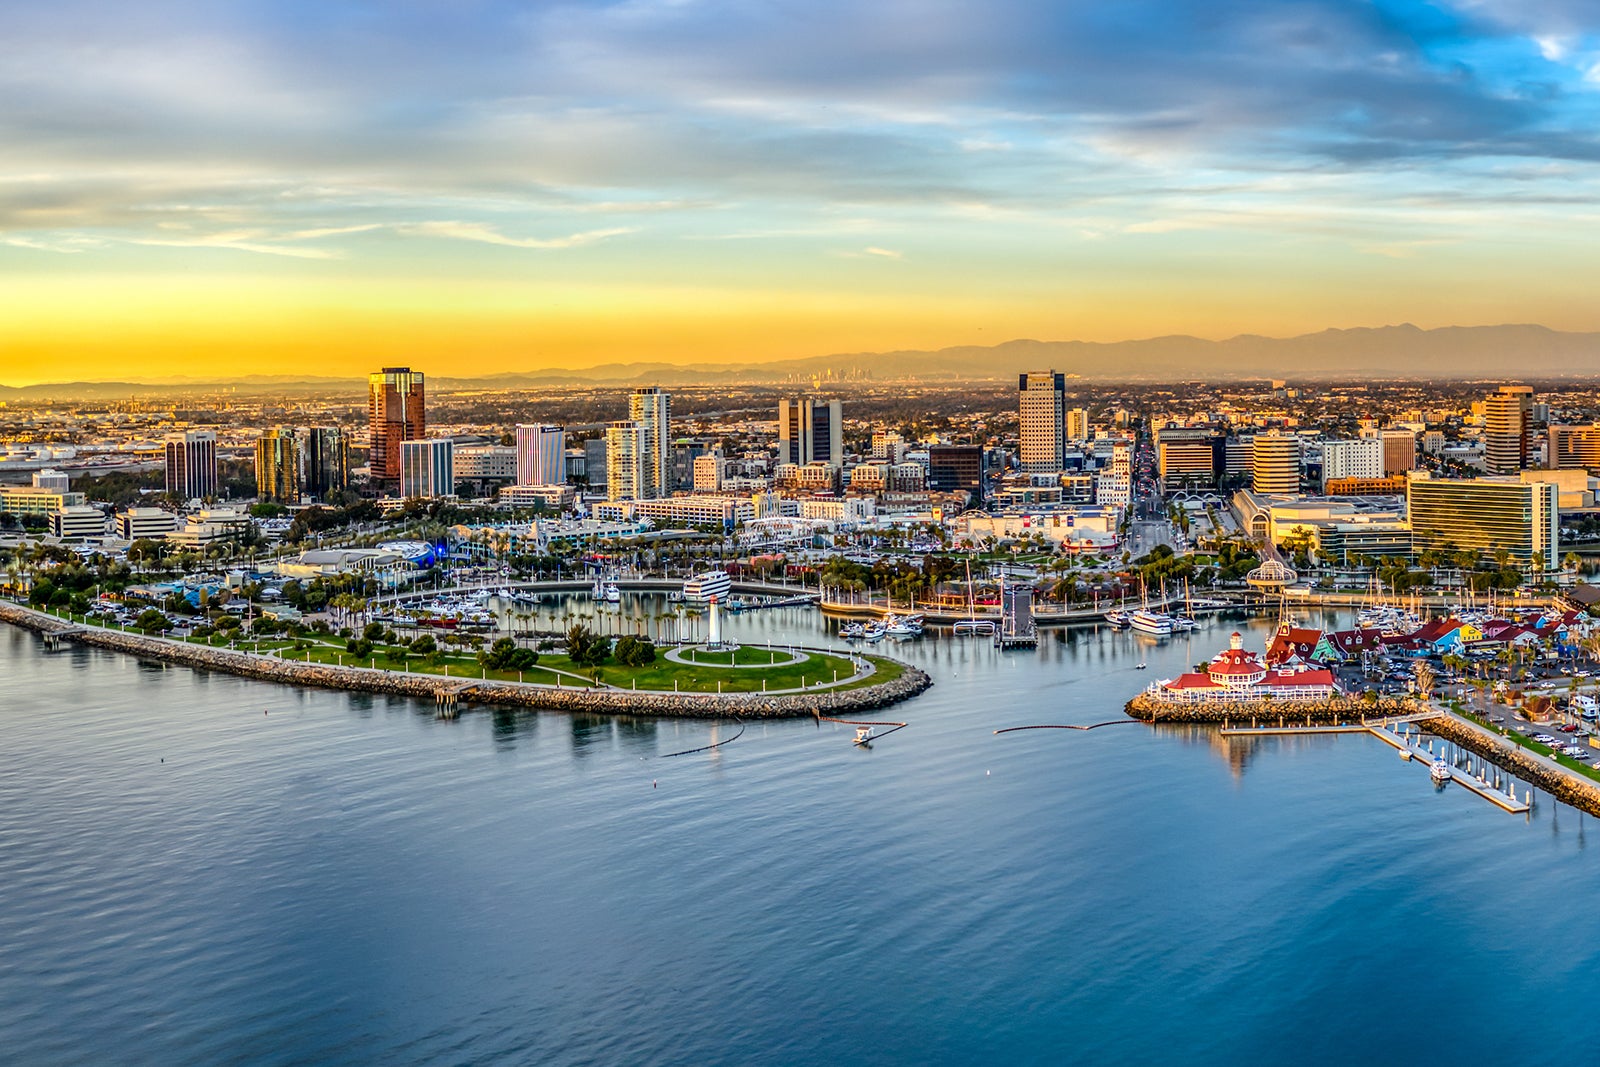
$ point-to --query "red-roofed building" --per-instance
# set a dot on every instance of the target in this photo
(1341, 646)
(1239, 675)
(1292, 644)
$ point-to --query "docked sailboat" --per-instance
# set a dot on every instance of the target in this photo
(972, 624)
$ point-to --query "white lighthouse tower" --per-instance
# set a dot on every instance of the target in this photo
(714, 638)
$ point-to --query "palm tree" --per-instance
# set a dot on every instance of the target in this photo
(1425, 678)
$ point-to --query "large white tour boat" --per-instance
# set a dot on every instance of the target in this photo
(702, 587)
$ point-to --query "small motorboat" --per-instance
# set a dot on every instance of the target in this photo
(863, 735)
(1440, 772)
(1405, 754)
(1142, 666)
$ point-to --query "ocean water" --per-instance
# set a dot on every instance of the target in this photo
(197, 869)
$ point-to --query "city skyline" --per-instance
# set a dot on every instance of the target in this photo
(318, 189)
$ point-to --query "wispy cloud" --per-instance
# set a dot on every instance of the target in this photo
(473, 231)
(238, 241)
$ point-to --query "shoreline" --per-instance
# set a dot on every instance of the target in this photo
(447, 692)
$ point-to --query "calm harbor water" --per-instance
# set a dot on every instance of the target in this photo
(200, 869)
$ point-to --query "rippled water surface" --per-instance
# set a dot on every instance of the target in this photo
(200, 869)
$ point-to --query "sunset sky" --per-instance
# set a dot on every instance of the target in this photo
(473, 187)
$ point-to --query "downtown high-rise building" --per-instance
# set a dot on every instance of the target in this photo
(627, 469)
(191, 464)
(427, 468)
(651, 409)
(279, 467)
(1189, 456)
(541, 454)
(1042, 429)
(1275, 464)
(1486, 516)
(1399, 451)
(810, 431)
(325, 462)
(1361, 458)
(1574, 447)
(396, 403)
(1077, 424)
(1507, 428)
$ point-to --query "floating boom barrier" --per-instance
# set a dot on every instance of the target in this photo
(1053, 726)
(708, 748)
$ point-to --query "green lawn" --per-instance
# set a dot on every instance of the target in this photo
(706, 678)
(703, 676)
(745, 655)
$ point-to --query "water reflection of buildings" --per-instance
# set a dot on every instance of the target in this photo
(1236, 752)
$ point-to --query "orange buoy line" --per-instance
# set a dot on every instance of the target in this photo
(1091, 726)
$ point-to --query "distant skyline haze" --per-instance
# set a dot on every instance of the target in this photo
(323, 188)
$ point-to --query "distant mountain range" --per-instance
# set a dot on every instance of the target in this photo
(1404, 351)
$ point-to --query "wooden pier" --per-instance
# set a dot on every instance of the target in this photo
(53, 638)
(448, 701)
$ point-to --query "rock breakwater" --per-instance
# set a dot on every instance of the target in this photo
(466, 690)
(1528, 766)
(1151, 708)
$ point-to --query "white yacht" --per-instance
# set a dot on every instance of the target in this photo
(613, 595)
(1151, 622)
(903, 626)
(702, 587)
(1440, 771)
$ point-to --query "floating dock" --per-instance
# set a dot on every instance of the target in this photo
(1385, 731)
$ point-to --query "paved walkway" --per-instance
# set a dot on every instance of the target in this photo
(678, 655)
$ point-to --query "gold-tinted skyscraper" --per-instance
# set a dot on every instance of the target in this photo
(395, 413)
(279, 469)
